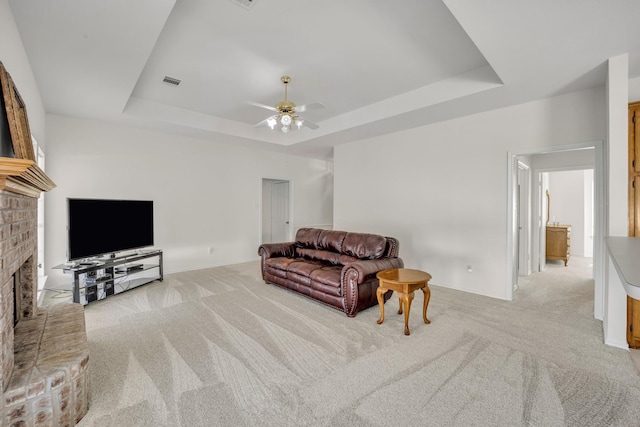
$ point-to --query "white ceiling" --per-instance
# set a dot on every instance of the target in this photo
(377, 65)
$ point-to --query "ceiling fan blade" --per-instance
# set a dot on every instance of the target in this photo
(312, 106)
(264, 122)
(310, 125)
(267, 107)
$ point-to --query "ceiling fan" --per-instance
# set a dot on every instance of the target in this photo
(287, 113)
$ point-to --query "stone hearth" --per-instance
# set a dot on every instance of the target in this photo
(43, 358)
(49, 382)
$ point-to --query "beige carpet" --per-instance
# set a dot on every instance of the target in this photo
(218, 347)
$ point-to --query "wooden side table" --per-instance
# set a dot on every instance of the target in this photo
(404, 281)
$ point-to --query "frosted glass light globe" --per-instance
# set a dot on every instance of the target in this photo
(286, 120)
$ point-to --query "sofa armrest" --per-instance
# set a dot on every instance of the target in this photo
(357, 272)
(272, 250)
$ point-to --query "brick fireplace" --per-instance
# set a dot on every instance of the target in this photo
(17, 252)
(44, 356)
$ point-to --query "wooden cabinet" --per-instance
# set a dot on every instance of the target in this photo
(633, 305)
(559, 242)
(634, 170)
(633, 322)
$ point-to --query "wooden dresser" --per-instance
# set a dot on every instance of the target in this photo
(559, 242)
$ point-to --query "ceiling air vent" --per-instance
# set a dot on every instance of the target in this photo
(247, 4)
(171, 81)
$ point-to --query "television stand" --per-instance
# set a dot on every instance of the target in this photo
(110, 276)
(129, 268)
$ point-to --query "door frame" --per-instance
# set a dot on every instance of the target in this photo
(600, 199)
(524, 219)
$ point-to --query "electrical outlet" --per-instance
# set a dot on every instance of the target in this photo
(469, 269)
(210, 251)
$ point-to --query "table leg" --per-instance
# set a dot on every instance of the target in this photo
(427, 297)
(406, 301)
(399, 304)
(380, 294)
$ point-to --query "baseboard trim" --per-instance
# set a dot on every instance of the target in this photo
(619, 344)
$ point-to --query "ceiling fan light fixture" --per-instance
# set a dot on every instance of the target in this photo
(286, 120)
(272, 122)
(286, 114)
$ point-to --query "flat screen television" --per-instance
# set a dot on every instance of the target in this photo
(101, 226)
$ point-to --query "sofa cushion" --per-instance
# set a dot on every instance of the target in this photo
(318, 255)
(327, 280)
(331, 240)
(299, 281)
(364, 246)
(279, 263)
(328, 276)
(335, 291)
(332, 258)
(308, 237)
(304, 267)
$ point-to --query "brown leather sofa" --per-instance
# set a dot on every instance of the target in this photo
(337, 268)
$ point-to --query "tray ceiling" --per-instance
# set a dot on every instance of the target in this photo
(377, 66)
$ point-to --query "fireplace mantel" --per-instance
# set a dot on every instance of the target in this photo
(23, 177)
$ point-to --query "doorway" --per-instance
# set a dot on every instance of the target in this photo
(570, 198)
(276, 211)
(587, 157)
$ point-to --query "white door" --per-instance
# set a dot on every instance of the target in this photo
(275, 211)
(40, 231)
(523, 215)
(280, 211)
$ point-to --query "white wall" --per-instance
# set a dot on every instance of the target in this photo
(566, 190)
(634, 89)
(442, 189)
(205, 194)
(617, 98)
(14, 58)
